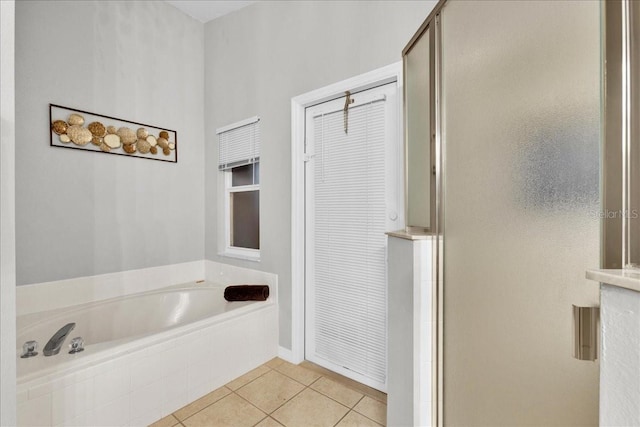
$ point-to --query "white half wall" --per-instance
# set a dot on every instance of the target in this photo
(619, 356)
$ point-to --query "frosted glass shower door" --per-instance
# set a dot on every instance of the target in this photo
(520, 122)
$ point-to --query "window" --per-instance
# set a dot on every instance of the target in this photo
(239, 163)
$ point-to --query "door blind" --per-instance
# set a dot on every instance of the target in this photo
(350, 302)
(239, 144)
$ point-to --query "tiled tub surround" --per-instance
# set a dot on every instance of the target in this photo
(135, 382)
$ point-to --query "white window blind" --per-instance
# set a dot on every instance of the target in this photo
(239, 144)
(349, 240)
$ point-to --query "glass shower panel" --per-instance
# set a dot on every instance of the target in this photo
(520, 118)
(633, 210)
(418, 133)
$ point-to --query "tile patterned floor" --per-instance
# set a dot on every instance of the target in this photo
(278, 394)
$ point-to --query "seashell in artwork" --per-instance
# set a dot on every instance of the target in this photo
(79, 135)
(142, 133)
(97, 128)
(143, 146)
(127, 136)
(113, 141)
(94, 132)
(75, 120)
(59, 127)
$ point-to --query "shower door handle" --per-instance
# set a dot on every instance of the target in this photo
(586, 326)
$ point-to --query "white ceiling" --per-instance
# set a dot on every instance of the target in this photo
(206, 10)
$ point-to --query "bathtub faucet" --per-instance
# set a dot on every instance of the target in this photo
(56, 341)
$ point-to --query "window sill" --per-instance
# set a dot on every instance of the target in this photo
(253, 258)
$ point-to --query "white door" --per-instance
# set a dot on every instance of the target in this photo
(352, 199)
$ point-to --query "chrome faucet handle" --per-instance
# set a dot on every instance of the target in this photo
(29, 349)
(76, 345)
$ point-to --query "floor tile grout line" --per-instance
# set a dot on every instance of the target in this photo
(344, 381)
(217, 400)
(359, 400)
(369, 418)
(364, 416)
(287, 401)
(197, 412)
(231, 392)
(309, 387)
(337, 401)
(342, 418)
(261, 420)
(298, 381)
(284, 403)
(259, 376)
(251, 403)
(320, 393)
(305, 387)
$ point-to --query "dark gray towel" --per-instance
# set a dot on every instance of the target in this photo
(246, 293)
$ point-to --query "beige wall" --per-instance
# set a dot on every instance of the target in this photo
(260, 57)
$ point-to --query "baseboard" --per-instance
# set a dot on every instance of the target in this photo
(286, 354)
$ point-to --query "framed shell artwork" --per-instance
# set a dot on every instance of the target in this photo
(82, 130)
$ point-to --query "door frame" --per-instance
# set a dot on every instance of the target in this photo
(388, 74)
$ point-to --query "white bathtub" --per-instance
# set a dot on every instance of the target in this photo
(145, 355)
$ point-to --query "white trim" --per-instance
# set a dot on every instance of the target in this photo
(241, 253)
(235, 125)
(287, 355)
(7, 217)
(383, 75)
(235, 251)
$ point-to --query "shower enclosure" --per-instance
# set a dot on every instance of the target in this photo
(518, 208)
